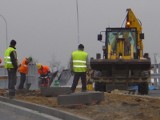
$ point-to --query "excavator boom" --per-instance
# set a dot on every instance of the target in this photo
(133, 22)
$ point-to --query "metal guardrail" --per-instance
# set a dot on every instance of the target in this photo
(155, 75)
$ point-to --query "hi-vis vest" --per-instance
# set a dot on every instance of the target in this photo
(7, 58)
(79, 61)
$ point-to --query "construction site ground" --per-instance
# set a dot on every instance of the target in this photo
(118, 105)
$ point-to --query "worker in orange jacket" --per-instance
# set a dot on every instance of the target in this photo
(23, 70)
(44, 72)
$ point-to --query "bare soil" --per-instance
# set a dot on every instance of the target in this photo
(116, 106)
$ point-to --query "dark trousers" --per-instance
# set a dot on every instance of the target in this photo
(22, 80)
(12, 79)
(77, 76)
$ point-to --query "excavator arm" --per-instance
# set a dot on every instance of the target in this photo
(133, 22)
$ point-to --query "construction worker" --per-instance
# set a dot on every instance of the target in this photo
(11, 64)
(44, 72)
(23, 70)
(79, 66)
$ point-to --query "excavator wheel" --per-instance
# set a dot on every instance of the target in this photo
(100, 86)
(143, 88)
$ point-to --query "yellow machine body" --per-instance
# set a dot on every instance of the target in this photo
(123, 61)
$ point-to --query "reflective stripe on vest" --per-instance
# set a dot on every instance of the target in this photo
(7, 59)
(79, 61)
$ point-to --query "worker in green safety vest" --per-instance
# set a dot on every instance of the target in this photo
(79, 66)
(11, 64)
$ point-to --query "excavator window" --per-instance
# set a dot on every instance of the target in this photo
(129, 39)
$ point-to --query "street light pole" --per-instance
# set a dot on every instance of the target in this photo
(77, 21)
(6, 29)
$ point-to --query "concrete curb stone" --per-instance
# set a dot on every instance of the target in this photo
(43, 109)
(80, 98)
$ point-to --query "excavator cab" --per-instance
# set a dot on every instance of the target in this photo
(121, 43)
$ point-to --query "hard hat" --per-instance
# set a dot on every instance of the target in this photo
(30, 59)
(39, 65)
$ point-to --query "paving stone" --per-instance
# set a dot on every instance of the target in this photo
(55, 91)
(80, 98)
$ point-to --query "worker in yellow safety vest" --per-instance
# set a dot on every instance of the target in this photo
(79, 66)
(11, 64)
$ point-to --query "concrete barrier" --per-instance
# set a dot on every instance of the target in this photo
(80, 98)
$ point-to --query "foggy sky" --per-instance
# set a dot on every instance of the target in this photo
(47, 29)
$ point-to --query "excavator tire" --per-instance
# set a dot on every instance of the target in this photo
(143, 88)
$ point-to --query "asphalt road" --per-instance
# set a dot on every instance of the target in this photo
(6, 114)
(10, 115)
(13, 112)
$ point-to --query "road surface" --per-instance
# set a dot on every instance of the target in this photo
(13, 112)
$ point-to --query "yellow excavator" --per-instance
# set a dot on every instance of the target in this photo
(123, 63)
